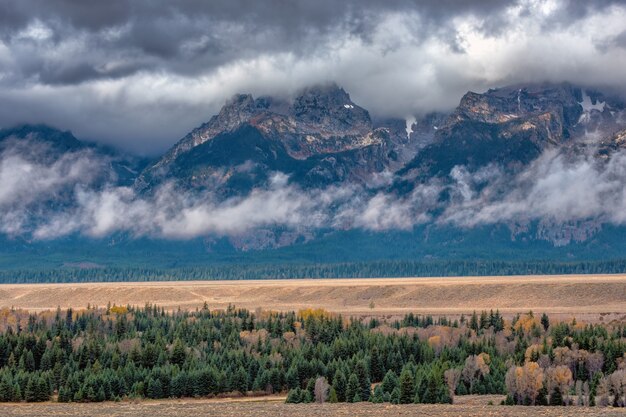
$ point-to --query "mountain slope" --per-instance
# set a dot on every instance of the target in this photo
(321, 137)
(512, 126)
(44, 144)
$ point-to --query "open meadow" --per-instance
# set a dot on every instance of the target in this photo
(210, 408)
(590, 297)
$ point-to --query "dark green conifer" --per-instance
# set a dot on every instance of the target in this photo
(353, 388)
(340, 385)
(407, 387)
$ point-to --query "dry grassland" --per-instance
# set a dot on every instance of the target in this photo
(208, 408)
(584, 296)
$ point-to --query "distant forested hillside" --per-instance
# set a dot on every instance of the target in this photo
(380, 269)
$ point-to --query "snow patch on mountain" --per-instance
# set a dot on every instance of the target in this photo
(589, 107)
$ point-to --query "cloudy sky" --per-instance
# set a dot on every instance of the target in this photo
(141, 73)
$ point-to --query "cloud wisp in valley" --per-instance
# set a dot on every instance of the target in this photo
(46, 197)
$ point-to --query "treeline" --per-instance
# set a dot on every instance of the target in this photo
(117, 352)
(377, 269)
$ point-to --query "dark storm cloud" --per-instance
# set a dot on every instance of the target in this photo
(577, 9)
(140, 73)
(81, 71)
(191, 36)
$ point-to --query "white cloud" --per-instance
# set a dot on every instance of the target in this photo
(25, 179)
(555, 187)
(48, 199)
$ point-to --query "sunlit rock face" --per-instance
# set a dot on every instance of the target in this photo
(319, 137)
(512, 126)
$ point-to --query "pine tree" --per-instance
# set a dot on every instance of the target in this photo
(310, 387)
(17, 393)
(542, 398)
(12, 363)
(365, 385)
(202, 382)
(377, 398)
(149, 356)
(498, 322)
(390, 381)
(179, 354)
(155, 389)
(340, 385)
(444, 395)
(395, 396)
(474, 322)
(332, 396)
(43, 389)
(6, 389)
(376, 365)
(179, 385)
(407, 387)
(593, 391)
(29, 361)
(101, 395)
(68, 318)
(294, 396)
(91, 395)
(291, 378)
(353, 388)
(431, 394)
(556, 397)
(307, 397)
(484, 322)
(63, 395)
(240, 382)
(30, 395)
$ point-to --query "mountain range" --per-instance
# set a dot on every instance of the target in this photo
(515, 172)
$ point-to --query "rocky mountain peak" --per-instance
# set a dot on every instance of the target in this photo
(511, 126)
(240, 108)
(320, 96)
(330, 107)
(60, 140)
(505, 104)
(270, 132)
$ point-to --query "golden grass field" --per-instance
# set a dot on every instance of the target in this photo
(583, 296)
(471, 407)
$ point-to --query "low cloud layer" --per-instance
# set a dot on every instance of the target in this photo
(171, 214)
(554, 187)
(140, 74)
(44, 198)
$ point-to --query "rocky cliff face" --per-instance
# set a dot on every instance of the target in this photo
(610, 144)
(511, 126)
(320, 137)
